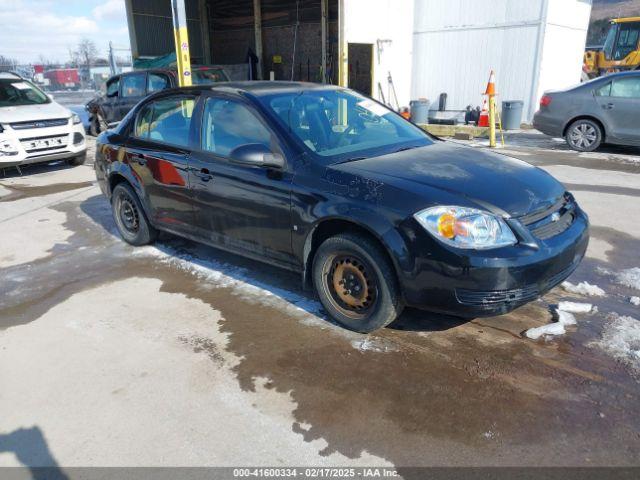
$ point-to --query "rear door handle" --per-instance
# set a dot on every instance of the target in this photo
(203, 174)
(140, 159)
(608, 106)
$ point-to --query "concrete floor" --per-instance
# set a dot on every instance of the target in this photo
(180, 355)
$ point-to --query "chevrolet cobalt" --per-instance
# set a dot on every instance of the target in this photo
(373, 212)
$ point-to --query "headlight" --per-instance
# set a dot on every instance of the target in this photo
(76, 119)
(463, 227)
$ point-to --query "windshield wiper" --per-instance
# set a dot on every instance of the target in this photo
(403, 149)
(352, 159)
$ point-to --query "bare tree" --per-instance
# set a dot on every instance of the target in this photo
(86, 53)
(7, 64)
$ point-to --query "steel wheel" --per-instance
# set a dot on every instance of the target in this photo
(352, 286)
(128, 214)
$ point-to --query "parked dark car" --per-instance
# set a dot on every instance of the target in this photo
(604, 110)
(371, 210)
(125, 90)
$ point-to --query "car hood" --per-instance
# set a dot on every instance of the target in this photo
(27, 113)
(499, 183)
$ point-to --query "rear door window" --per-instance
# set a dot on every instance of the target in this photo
(170, 121)
(604, 91)
(134, 85)
(628, 87)
(157, 81)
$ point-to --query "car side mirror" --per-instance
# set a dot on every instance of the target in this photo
(256, 155)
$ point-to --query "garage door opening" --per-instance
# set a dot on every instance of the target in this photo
(360, 57)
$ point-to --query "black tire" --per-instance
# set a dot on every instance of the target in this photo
(94, 128)
(132, 223)
(77, 161)
(584, 135)
(367, 295)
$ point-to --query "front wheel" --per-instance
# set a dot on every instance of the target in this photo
(130, 218)
(584, 135)
(356, 282)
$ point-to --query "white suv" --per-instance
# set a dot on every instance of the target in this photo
(34, 128)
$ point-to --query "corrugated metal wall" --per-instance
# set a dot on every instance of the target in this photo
(532, 45)
(458, 42)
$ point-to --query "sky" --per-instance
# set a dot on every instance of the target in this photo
(30, 28)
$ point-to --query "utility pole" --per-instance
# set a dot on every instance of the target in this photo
(181, 36)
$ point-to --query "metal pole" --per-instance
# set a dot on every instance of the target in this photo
(343, 59)
(181, 36)
(323, 26)
(257, 26)
(492, 121)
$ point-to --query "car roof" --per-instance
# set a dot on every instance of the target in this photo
(256, 87)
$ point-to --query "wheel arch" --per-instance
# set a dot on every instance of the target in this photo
(329, 227)
(586, 117)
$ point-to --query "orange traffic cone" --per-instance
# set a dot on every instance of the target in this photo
(491, 86)
(483, 121)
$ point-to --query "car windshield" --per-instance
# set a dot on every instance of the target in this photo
(341, 125)
(17, 92)
(202, 76)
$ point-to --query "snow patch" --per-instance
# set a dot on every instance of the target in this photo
(549, 329)
(584, 288)
(629, 278)
(575, 307)
(635, 301)
(373, 345)
(621, 339)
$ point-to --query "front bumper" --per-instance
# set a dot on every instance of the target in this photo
(492, 282)
(18, 140)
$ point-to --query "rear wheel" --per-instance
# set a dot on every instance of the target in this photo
(130, 218)
(584, 135)
(356, 282)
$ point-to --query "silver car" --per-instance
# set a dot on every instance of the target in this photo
(604, 110)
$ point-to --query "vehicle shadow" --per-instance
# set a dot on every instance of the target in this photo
(24, 170)
(284, 284)
(31, 449)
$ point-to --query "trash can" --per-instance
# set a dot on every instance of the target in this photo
(419, 110)
(512, 114)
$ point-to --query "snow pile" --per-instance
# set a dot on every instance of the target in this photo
(549, 329)
(629, 278)
(575, 307)
(621, 339)
(635, 301)
(564, 318)
(584, 288)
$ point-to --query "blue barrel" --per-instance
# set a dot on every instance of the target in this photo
(512, 114)
(419, 110)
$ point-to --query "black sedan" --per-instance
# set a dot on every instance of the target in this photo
(372, 211)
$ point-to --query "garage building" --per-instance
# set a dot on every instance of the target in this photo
(393, 50)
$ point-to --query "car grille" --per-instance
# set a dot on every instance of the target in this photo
(54, 122)
(549, 222)
(518, 296)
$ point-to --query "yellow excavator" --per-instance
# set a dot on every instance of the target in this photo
(621, 50)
